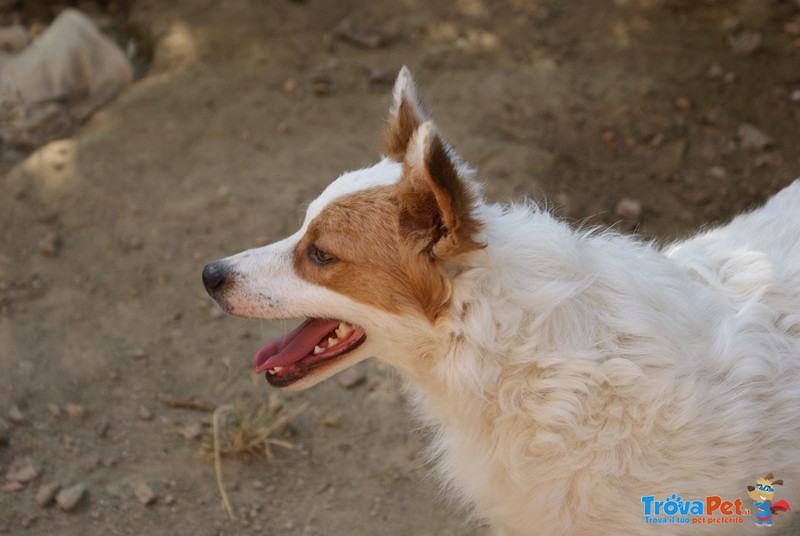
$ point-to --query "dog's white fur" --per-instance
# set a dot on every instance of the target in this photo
(580, 370)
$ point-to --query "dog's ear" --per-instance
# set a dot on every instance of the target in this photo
(769, 476)
(436, 201)
(405, 116)
(778, 482)
(751, 488)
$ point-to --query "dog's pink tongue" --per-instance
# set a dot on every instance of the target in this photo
(293, 346)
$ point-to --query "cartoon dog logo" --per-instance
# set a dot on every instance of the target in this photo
(762, 495)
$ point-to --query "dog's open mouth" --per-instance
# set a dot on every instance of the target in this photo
(314, 343)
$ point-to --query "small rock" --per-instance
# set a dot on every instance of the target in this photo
(717, 172)
(11, 487)
(628, 208)
(290, 86)
(745, 42)
(715, 71)
(752, 137)
(794, 96)
(49, 245)
(54, 410)
(138, 353)
(69, 498)
(76, 411)
(283, 127)
(190, 431)
(47, 493)
(145, 414)
(352, 377)
(321, 85)
(21, 470)
(145, 494)
(169, 500)
(683, 103)
(15, 415)
(102, 428)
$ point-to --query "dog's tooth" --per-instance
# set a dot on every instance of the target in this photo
(271, 372)
(343, 330)
(332, 341)
(318, 350)
(277, 369)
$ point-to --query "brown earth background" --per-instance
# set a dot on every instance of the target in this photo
(625, 112)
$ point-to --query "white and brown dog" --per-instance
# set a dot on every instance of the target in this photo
(573, 379)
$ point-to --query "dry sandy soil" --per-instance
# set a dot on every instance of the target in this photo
(249, 109)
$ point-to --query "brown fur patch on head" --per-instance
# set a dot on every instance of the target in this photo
(374, 263)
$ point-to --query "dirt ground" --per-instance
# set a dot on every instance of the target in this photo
(247, 111)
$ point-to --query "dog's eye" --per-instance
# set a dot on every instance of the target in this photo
(318, 256)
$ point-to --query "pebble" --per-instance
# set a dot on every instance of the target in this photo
(794, 96)
(69, 498)
(138, 353)
(54, 410)
(47, 493)
(715, 71)
(752, 137)
(628, 208)
(145, 414)
(191, 431)
(352, 377)
(15, 415)
(717, 172)
(290, 86)
(321, 85)
(745, 42)
(683, 103)
(169, 500)
(145, 494)
(102, 428)
(21, 470)
(10, 487)
(49, 245)
(76, 411)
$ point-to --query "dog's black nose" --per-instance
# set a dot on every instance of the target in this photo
(214, 275)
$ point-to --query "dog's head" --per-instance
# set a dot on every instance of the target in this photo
(369, 268)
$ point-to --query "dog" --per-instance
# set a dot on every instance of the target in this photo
(577, 382)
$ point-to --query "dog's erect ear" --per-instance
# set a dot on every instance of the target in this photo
(406, 115)
(769, 476)
(437, 202)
